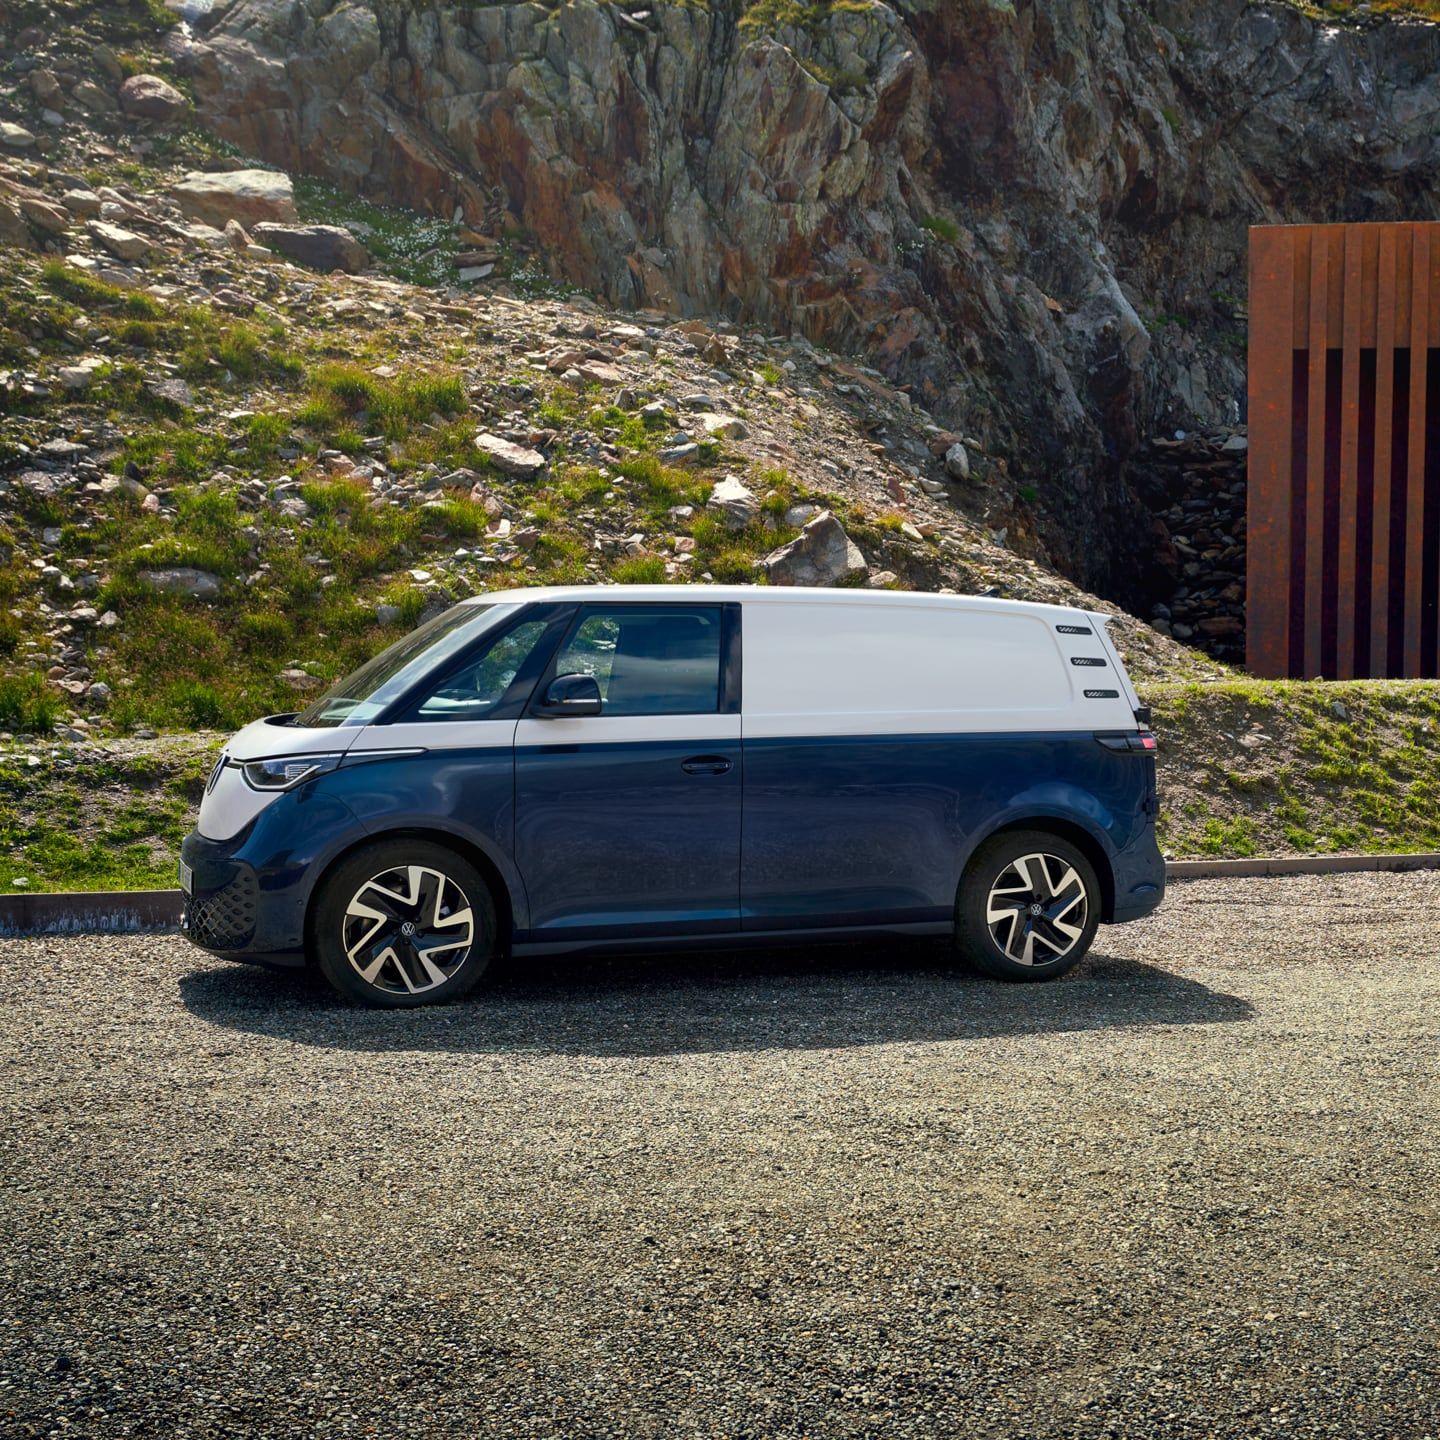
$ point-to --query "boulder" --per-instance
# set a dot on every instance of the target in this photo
(299, 679)
(722, 427)
(84, 203)
(322, 247)
(44, 214)
(508, 457)
(78, 377)
(735, 503)
(13, 229)
(957, 462)
(93, 100)
(46, 89)
(148, 97)
(246, 196)
(121, 243)
(15, 137)
(173, 391)
(822, 554)
(182, 580)
(108, 63)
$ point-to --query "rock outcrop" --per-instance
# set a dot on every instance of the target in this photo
(1032, 214)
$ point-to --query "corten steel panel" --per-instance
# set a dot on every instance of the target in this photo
(1414, 528)
(1273, 275)
(1344, 494)
(1386, 315)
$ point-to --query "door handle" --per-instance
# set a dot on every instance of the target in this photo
(705, 765)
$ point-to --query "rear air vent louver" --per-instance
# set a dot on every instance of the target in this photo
(1086, 660)
(1074, 629)
(1102, 694)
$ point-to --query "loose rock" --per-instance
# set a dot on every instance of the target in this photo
(247, 196)
(182, 580)
(148, 97)
(322, 247)
(507, 456)
(822, 554)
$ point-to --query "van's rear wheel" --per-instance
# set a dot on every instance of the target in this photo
(404, 923)
(1028, 907)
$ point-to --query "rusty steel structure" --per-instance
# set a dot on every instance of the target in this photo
(1344, 491)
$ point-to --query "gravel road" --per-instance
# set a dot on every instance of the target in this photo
(1190, 1191)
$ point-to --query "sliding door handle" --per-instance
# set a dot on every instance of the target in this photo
(706, 765)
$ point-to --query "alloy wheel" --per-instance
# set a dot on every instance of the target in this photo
(408, 929)
(1037, 909)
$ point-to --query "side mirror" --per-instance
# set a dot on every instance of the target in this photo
(570, 696)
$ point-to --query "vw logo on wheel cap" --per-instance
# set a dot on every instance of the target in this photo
(407, 928)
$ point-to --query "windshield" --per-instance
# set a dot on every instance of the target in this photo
(361, 696)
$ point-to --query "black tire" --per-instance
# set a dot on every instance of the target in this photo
(397, 882)
(1001, 867)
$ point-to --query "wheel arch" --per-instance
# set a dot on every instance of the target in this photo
(474, 854)
(1084, 840)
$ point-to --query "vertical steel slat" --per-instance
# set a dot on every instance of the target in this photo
(1271, 373)
(1430, 462)
(1384, 415)
(1369, 280)
(1415, 494)
(1318, 346)
(1349, 457)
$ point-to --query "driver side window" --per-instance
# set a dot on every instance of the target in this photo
(474, 690)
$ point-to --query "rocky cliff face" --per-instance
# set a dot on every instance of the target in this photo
(1033, 215)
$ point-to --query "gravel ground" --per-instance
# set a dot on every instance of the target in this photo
(1190, 1191)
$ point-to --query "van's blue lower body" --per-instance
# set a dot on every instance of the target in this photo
(596, 845)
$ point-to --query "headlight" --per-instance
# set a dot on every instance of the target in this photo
(286, 771)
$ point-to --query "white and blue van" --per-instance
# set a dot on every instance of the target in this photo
(595, 766)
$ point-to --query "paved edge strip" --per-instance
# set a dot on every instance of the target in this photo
(102, 912)
(1298, 865)
(90, 912)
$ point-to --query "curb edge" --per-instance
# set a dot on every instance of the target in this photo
(111, 912)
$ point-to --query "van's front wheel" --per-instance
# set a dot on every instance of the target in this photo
(404, 923)
(1028, 908)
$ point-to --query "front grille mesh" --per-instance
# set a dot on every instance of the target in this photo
(226, 919)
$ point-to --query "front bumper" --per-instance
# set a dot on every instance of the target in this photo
(247, 896)
(224, 912)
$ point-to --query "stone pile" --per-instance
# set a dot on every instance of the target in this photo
(1196, 486)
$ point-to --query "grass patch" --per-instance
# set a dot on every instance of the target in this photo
(346, 399)
(1354, 10)
(942, 227)
(765, 17)
(27, 704)
(639, 570)
(1272, 767)
(99, 823)
(417, 248)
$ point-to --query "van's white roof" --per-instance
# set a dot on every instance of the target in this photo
(772, 595)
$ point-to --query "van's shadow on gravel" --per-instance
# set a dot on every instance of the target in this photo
(673, 1004)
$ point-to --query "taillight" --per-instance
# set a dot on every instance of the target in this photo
(1140, 743)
